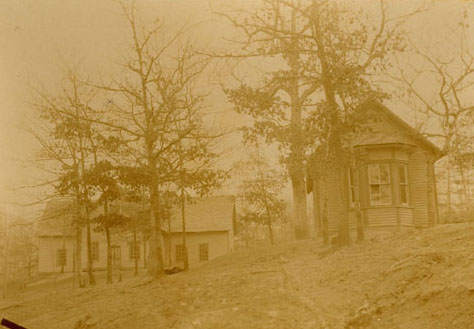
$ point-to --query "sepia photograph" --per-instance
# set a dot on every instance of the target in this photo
(240, 164)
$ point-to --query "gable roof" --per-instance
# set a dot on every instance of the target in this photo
(209, 214)
(56, 219)
(397, 132)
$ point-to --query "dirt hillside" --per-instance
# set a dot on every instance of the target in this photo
(412, 279)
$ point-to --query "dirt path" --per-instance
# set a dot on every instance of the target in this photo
(410, 280)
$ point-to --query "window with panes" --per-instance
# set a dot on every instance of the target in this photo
(203, 252)
(403, 184)
(353, 178)
(95, 251)
(179, 252)
(379, 184)
(134, 250)
(61, 259)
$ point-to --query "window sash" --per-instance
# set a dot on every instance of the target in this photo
(379, 173)
(134, 250)
(61, 257)
(203, 252)
(353, 186)
(95, 251)
(179, 248)
(403, 184)
(379, 184)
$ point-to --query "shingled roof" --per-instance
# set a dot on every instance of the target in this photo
(395, 131)
(56, 219)
(210, 214)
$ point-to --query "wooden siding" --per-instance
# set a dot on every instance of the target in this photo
(377, 129)
(406, 216)
(382, 216)
(121, 241)
(218, 244)
(48, 246)
(373, 215)
(418, 179)
(432, 193)
(329, 191)
(385, 138)
(47, 249)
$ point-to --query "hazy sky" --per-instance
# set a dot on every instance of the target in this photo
(38, 37)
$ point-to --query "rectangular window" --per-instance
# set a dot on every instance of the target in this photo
(379, 184)
(116, 255)
(95, 251)
(353, 186)
(61, 257)
(403, 181)
(203, 252)
(179, 253)
(134, 250)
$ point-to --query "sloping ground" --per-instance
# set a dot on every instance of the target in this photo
(415, 279)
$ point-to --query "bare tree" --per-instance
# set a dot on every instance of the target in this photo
(261, 191)
(67, 146)
(146, 106)
(445, 112)
(332, 51)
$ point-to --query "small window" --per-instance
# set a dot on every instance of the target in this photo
(379, 184)
(179, 253)
(353, 186)
(116, 255)
(61, 257)
(134, 250)
(403, 181)
(203, 252)
(95, 251)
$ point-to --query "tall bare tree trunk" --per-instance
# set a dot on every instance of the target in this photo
(325, 225)
(183, 222)
(336, 150)
(109, 246)
(448, 192)
(145, 246)
(270, 232)
(296, 166)
(317, 208)
(78, 238)
(155, 264)
(64, 243)
(136, 252)
(360, 224)
(90, 274)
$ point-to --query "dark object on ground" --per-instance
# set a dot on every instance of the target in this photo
(82, 282)
(173, 270)
(11, 325)
(84, 323)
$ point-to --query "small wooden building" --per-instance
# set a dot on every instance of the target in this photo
(55, 236)
(56, 242)
(210, 226)
(391, 178)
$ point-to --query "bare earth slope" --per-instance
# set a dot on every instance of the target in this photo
(415, 279)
